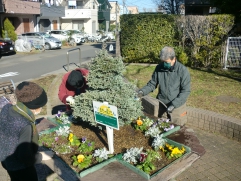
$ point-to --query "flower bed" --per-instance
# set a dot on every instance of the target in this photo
(84, 147)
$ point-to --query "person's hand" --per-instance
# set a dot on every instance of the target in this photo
(70, 100)
(170, 109)
(140, 94)
(47, 155)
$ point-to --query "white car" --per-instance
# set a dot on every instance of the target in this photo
(110, 35)
(77, 34)
(48, 41)
(66, 35)
(59, 34)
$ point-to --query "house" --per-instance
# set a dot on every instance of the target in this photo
(50, 13)
(115, 13)
(80, 15)
(123, 9)
(104, 15)
(132, 10)
(22, 14)
(197, 7)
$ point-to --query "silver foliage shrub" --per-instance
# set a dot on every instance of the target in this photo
(106, 84)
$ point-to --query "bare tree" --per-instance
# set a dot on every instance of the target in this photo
(169, 6)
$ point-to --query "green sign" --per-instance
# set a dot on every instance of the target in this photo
(106, 120)
(106, 114)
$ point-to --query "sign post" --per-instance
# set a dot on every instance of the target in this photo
(106, 114)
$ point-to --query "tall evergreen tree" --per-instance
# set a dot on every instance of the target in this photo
(9, 30)
(106, 84)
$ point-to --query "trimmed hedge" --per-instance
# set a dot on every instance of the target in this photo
(144, 35)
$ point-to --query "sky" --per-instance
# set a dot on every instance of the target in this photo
(148, 4)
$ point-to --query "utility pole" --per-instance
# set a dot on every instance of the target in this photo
(116, 16)
(123, 6)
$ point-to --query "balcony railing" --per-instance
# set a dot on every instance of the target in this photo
(32, 0)
(77, 7)
(53, 11)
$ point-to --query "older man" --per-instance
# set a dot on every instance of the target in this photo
(173, 81)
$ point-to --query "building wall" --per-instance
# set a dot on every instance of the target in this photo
(115, 9)
(22, 7)
(88, 23)
(51, 20)
(17, 20)
(132, 10)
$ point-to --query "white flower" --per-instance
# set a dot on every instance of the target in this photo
(153, 131)
(101, 153)
(131, 155)
(63, 131)
(158, 141)
(148, 121)
(64, 118)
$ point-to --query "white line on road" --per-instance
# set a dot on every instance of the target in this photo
(9, 74)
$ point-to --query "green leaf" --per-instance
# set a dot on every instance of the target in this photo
(75, 163)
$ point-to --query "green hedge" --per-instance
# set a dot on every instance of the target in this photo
(197, 40)
(144, 35)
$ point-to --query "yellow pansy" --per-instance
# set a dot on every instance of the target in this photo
(161, 148)
(169, 146)
(176, 151)
(139, 122)
(71, 135)
(71, 139)
(80, 158)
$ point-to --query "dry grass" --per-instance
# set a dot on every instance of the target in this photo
(215, 90)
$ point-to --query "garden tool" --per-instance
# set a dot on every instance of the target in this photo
(169, 116)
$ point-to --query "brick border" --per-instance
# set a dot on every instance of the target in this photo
(203, 119)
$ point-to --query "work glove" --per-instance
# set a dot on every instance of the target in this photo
(170, 109)
(140, 94)
(70, 100)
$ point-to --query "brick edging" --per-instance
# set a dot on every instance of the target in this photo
(203, 119)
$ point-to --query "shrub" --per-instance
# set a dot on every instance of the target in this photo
(106, 84)
(9, 30)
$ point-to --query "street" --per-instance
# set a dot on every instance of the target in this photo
(21, 67)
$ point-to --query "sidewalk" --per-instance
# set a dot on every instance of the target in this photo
(221, 160)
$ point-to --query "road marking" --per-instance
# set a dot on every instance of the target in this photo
(9, 74)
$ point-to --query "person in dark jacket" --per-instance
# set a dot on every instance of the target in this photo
(173, 81)
(73, 83)
(18, 133)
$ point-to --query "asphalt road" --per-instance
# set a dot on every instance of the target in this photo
(21, 67)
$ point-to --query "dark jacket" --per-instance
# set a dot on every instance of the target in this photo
(19, 144)
(173, 84)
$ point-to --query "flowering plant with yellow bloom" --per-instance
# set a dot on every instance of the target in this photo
(74, 141)
(82, 161)
(143, 123)
(172, 151)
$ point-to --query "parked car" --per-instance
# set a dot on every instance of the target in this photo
(110, 35)
(6, 46)
(42, 38)
(67, 36)
(77, 33)
(62, 35)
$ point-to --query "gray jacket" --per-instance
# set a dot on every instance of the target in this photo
(173, 84)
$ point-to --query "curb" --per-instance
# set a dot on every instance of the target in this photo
(203, 119)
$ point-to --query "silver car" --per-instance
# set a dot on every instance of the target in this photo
(42, 38)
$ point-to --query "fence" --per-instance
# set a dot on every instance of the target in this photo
(233, 53)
